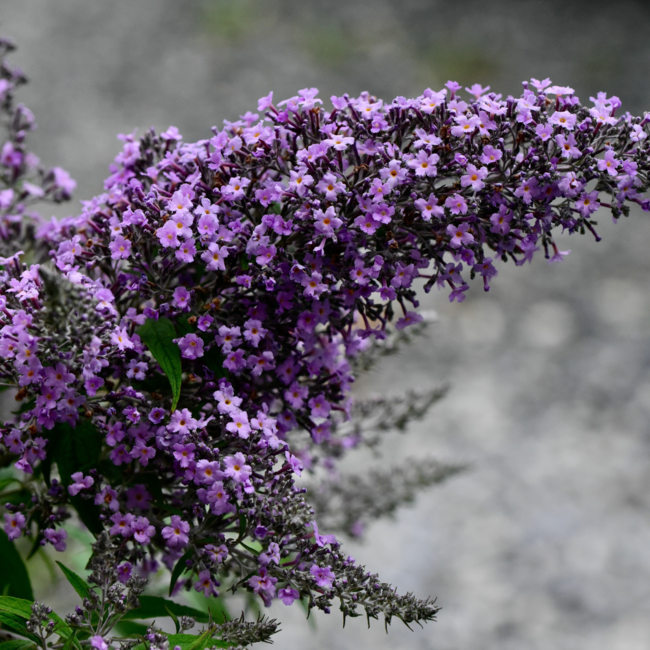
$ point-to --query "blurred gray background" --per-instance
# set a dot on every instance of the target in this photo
(545, 542)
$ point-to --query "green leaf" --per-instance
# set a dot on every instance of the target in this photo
(13, 611)
(183, 326)
(179, 568)
(196, 641)
(167, 508)
(16, 498)
(304, 603)
(16, 606)
(174, 618)
(213, 360)
(253, 547)
(129, 629)
(6, 482)
(64, 630)
(77, 582)
(79, 585)
(13, 614)
(16, 624)
(50, 451)
(72, 639)
(75, 450)
(110, 471)
(88, 446)
(14, 580)
(158, 336)
(17, 644)
(242, 527)
(154, 384)
(220, 613)
(155, 607)
(244, 261)
(200, 641)
(252, 605)
(88, 513)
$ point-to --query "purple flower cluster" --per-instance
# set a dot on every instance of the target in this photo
(274, 252)
(23, 181)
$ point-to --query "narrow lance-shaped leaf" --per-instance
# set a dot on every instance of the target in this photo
(15, 624)
(196, 641)
(156, 607)
(14, 580)
(70, 642)
(158, 336)
(174, 618)
(179, 568)
(20, 607)
(218, 609)
(13, 611)
(17, 644)
(129, 629)
(201, 640)
(77, 582)
(77, 450)
(6, 482)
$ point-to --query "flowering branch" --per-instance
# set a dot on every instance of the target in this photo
(203, 315)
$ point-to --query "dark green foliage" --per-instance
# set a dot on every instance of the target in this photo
(157, 607)
(75, 450)
(158, 336)
(14, 580)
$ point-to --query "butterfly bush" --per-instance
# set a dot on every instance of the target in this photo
(184, 349)
(24, 181)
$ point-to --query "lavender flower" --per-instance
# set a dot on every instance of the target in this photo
(176, 535)
(56, 538)
(81, 482)
(14, 524)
